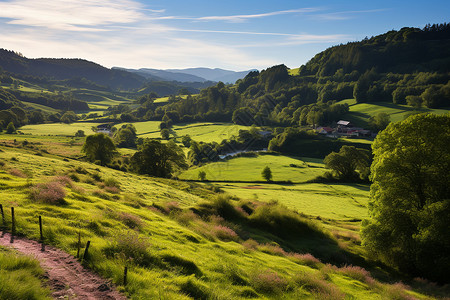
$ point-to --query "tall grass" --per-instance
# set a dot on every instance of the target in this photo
(20, 277)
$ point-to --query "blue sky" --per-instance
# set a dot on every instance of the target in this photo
(236, 35)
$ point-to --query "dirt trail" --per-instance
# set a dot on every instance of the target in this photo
(67, 278)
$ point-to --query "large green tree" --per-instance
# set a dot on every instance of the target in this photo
(126, 136)
(99, 147)
(409, 205)
(349, 163)
(158, 159)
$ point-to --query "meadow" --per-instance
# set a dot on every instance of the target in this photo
(360, 113)
(184, 240)
(201, 132)
(283, 168)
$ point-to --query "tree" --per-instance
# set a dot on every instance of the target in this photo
(10, 129)
(202, 175)
(349, 163)
(79, 133)
(126, 136)
(409, 204)
(99, 147)
(158, 159)
(69, 117)
(165, 134)
(379, 121)
(267, 174)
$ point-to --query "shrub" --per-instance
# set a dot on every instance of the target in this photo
(225, 233)
(52, 193)
(357, 273)
(318, 286)
(396, 291)
(272, 248)
(112, 189)
(282, 221)
(250, 244)
(129, 220)
(268, 282)
(17, 173)
(132, 246)
(223, 207)
(185, 217)
(101, 194)
(63, 180)
(305, 259)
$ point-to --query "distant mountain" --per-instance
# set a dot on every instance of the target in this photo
(64, 69)
(163, 75)
(189, 75)
(216, 74)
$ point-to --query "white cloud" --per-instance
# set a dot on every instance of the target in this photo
(344, 15)
(242, 18)
(81, 15)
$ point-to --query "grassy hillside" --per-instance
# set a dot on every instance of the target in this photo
(180, 240)
(21, 277)
(360, 113)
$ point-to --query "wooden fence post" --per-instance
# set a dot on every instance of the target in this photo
(3, 217)
(40, 230)
(125, 272)
(86, 253)
(13, 225)
(79, 244)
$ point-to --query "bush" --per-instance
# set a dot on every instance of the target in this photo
(51, 193)
(318, 286)
(282, 221)
(132, 246)
(17, 173)
(268, 282)
(225, 233)
(305, 259)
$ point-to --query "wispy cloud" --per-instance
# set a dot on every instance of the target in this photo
(81, 15)
(242, 18)
(344, 15)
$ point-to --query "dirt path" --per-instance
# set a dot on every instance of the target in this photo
(67, 278)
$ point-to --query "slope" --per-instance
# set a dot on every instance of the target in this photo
(179, 240)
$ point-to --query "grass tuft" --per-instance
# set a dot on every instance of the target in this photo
(50, 193)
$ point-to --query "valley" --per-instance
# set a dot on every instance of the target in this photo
(326, 181)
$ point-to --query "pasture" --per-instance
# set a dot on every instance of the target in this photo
(283, 168)
(58, 129)
(361, 112)
(332, 201)
(201, 132)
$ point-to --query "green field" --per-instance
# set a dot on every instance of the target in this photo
(204, 132)
(58, 128)
(361, 112)
(250, 168)
(334, 201)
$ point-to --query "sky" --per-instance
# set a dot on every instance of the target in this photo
(234, 35)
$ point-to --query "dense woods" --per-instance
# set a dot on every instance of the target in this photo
(409, 66)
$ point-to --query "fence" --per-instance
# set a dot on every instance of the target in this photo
(85, 255)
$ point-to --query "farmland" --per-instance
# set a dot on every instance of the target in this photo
(184, 254)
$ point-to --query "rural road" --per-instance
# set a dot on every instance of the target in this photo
(67, 278)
